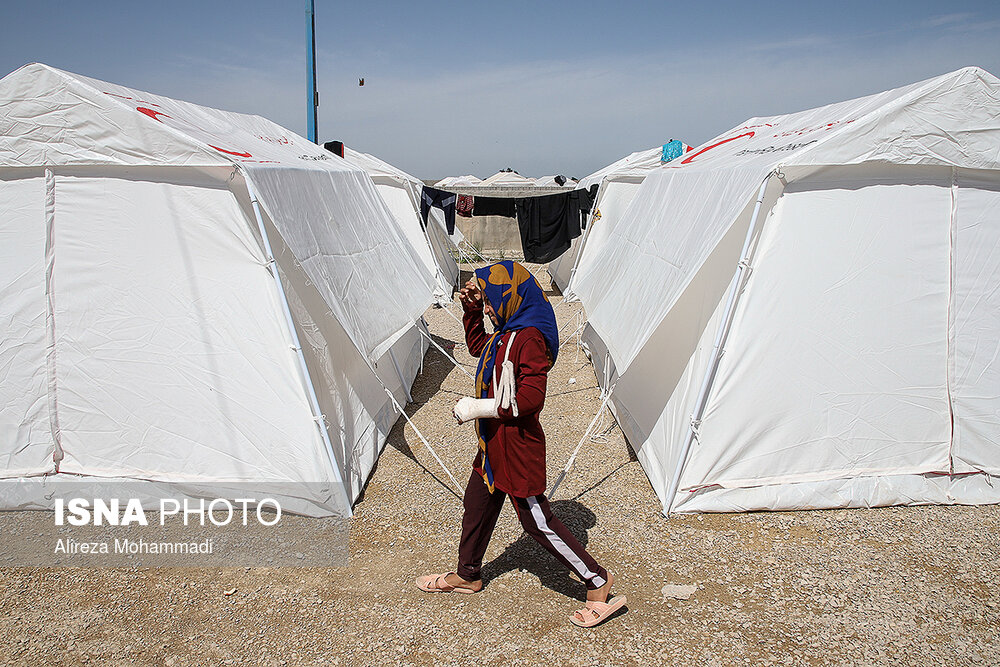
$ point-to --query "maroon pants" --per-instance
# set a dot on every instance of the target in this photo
(482, 509)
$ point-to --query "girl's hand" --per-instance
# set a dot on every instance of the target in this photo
(471, 294)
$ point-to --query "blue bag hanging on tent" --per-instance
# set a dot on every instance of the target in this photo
(671, 149)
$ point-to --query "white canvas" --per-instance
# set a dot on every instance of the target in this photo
(861, 364)
(617, 184)
(401, 193)
(147, 338)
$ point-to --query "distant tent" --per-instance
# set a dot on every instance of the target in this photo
(148, 334)
(401, 193)
(457, 181)
(507, 178)
(803, 311)
(555, 181)
(617, 184)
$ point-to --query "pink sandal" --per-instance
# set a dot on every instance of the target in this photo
(595, 613)
(435, 583)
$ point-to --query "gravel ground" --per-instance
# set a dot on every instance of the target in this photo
(906, 585)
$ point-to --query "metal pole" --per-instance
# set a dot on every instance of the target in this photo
(312, 95)
(317, 413)
(722, 334)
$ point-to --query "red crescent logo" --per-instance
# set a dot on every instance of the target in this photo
(152, 114)
(708, 148)
(223, 150)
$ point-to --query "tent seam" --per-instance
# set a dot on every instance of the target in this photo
(950, 351)
(50, 355)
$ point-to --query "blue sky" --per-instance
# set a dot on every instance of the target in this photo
(454, 88)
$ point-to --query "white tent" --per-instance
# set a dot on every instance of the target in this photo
(803, 312)
(456, 181)
(401, 193)
(617, 184)
(507, 178)
(193, 298)
(551, 182)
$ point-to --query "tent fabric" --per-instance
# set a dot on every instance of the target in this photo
(639, 160)
(714, 182)
(617, 183)
(136, 288)
(554, 182)
(327, 209)
(860, 367)
(401, 193)
(458, 181)
(507, 178)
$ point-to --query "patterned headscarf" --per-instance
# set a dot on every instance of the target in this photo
(518, 301)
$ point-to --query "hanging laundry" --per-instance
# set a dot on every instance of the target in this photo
(464, 206)
(549, 224)
(494, 206)
(432, 197)
(672, 149)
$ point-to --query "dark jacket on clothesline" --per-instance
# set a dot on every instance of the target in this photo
(549, 224)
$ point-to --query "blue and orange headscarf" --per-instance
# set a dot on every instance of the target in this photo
(519, 302)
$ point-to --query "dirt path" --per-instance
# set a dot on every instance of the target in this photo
(883, 586)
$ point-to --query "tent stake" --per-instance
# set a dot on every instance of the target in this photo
(735, 287)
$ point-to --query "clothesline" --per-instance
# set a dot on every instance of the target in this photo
(547, 223)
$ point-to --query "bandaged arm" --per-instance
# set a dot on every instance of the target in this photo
(531, 366)
(469, 408)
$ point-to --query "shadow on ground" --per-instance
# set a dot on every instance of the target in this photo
(527, 554)
(436, 369)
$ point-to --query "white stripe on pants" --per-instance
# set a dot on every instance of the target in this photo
(557, 543)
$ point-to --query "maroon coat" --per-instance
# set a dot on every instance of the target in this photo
(516, 445)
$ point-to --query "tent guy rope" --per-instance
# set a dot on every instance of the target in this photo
(572, 458)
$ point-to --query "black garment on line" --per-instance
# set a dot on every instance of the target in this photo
(493, 206)
(438, 199)
(549, 224)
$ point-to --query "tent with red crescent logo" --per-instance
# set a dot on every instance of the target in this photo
(803, 311)
(192, 297)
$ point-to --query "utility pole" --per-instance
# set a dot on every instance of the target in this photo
(312, 95)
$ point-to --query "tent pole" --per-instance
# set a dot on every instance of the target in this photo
(318, 416)
(607, 371)
(735, 287)
(402, 379)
